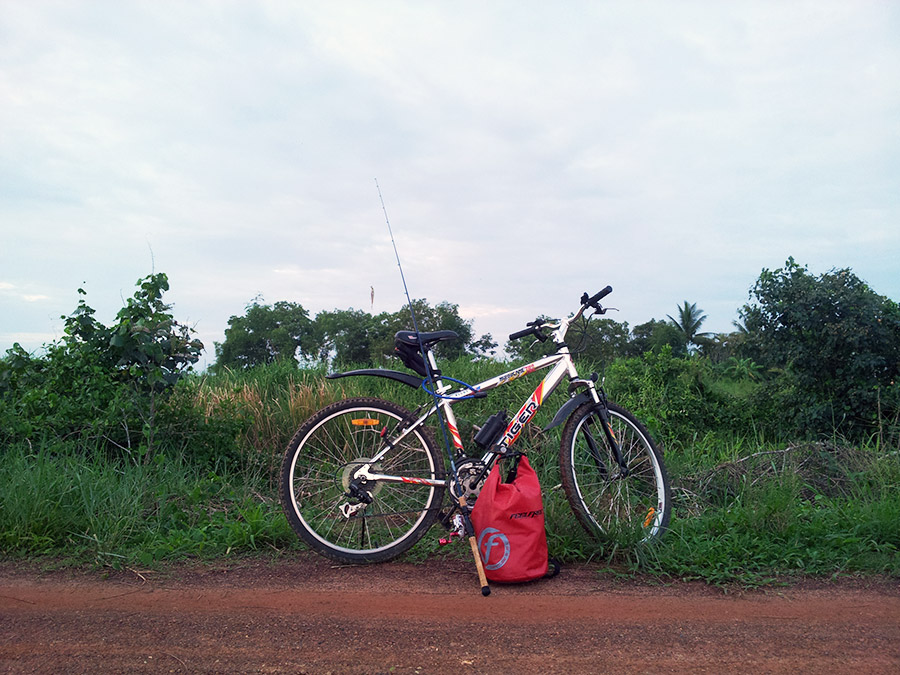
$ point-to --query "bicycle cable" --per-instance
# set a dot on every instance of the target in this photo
(437, 394)
(581, 330)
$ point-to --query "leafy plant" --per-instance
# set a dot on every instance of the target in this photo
(835, 342)
(746, 368)
(674, 398)
(100, 383)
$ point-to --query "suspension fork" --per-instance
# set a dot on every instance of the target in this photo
(602, 410)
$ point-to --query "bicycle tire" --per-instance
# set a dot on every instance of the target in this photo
(631, 509)
(315, 473)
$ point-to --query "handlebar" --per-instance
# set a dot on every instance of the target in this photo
(592, 302)
(534, 327)
(533, 330)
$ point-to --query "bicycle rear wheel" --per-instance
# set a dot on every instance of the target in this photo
(630, 502)
(319, 465)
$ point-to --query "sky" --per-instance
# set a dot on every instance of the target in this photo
(526, 152)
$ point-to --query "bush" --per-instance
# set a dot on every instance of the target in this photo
(99, 385)
(835, 345)
(674, 397)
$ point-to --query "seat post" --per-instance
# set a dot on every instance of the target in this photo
(432, 362)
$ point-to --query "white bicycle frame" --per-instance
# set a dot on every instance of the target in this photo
(563, 366)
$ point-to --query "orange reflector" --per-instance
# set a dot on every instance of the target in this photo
(649, 519)
(365, 422)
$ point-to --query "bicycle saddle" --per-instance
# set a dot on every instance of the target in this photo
(410, 338)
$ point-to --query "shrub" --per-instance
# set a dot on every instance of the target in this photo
(835, 344)
(674, 398)
(99, 384)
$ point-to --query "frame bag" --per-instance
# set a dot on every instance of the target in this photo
(509, 525)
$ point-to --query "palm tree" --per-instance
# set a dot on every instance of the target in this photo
(688, 323)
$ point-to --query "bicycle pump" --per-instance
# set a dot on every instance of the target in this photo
(455, 488)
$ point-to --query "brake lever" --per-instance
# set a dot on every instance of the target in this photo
(536, 326)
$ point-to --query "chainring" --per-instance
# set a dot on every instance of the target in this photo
(468, 472)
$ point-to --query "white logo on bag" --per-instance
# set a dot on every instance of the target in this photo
(495, 538)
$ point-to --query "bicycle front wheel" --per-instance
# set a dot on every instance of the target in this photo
(627, 500)
(319, 466)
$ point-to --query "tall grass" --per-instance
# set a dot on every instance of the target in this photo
(85, 507)
(274, 400)
(811, 508)
(746, 508)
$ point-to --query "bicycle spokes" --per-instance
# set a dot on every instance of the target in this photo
(614, 481)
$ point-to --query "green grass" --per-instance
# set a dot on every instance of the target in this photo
(747, 509)
(85, 508)
(769, 535)
(807, 509)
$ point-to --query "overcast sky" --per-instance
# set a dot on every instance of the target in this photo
(527, 152)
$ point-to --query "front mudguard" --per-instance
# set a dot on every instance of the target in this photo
(568, 408)
(396, 375)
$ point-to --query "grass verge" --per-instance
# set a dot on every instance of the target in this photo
(745, 510)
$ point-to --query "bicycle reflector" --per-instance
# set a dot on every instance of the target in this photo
(364, 422)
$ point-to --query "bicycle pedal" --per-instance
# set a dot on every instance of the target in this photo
(443, 541)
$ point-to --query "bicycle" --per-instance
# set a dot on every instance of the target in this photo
(362, 479)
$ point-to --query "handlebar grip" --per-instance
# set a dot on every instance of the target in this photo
(599, 296)
(521, 333)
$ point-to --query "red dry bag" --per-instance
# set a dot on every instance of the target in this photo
(509, 526)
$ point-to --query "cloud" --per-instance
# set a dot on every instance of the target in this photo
(527, 152)
(13, 291)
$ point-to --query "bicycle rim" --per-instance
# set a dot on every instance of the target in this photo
(630, 506)
(337, 441)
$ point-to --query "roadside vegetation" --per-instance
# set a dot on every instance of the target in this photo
(782, 438)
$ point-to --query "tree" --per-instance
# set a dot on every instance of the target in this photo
(653, 336)
(689, 320)
(529, 348)
(717, 347)
(605, 340)
(345, 335)
(836, 341)
(266, 334)
(442, 316)
(100, 383)
(484, 347)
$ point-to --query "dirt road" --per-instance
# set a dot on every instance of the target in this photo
(309, 616)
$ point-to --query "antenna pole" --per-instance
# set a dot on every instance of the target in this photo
(460, 498)
(402, 277)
